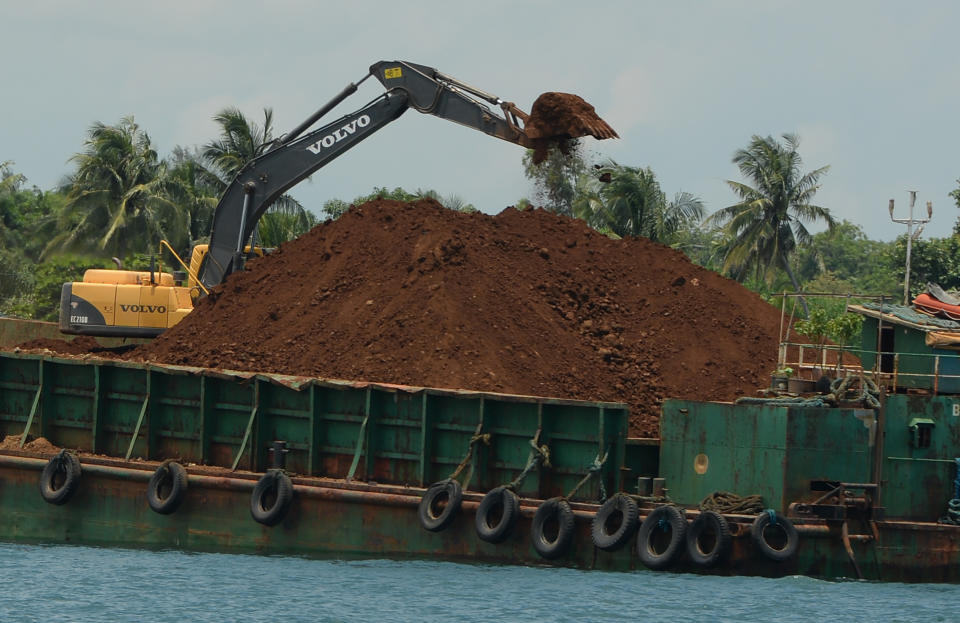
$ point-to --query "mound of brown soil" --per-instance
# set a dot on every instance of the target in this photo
(523, 302)
(80, 345)
(40, 444)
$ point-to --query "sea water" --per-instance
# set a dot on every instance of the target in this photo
(73, 583)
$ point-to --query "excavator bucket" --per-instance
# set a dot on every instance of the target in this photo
(565, 115)
(558, 117)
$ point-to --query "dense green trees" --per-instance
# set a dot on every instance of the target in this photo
(844, 260)
(120, 201)
(28, 220)
(122, 198)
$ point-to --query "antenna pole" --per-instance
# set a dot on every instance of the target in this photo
(911, 234)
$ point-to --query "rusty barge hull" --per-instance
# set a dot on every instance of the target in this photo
(340, 519)
(361, 456)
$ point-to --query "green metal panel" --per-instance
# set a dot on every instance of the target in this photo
(395, 441)
(175, 423)
(772, 451)
(743, 448)
(233, 404)
(831, 445)
(918, 482)
(511, 427)
(284, 415)
(19, 384)
(121, 397)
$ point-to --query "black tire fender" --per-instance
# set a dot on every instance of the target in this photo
(548, 542)
(271, 497)
(497, 514)
(167, 488)
(440, 505)
(662, 521)
(60, 478)
(761, 540)
(615, 522)
(709, 539)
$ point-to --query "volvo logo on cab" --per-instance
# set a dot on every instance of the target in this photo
(331, 139)
(149, 309)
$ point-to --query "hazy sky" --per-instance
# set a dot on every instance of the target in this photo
(872, 88)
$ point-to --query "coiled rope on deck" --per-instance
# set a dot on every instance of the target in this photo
(728, 503)
(869, 392)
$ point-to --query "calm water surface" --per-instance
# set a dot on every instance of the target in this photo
(70, 583)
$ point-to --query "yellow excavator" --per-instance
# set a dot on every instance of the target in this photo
(145, 303)
(134, 303)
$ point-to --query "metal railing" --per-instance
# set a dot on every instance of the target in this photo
(898, 376)
(891, 370)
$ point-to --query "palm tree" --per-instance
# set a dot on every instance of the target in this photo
(628, 201)
(242, 140)
(116, 199)
(195, 189)
(766, 226)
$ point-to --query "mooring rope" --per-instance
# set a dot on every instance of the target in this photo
(468, 459)
(539, 454)
(953, 506)
(593, 470)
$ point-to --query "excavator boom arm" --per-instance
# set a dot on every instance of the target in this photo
(294, 157)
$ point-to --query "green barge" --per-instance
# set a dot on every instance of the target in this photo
(859, 483)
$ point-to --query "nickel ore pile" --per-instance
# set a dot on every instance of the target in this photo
(523, 302)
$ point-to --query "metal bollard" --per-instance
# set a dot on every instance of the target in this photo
(279, 451)
(643, 485)
(659, 487)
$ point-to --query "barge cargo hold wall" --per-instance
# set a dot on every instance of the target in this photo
(364, 431)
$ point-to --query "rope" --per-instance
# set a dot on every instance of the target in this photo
(468, 459)
(869, 392)
(592, 471)
(782, 402)
(869, 395)
(953, 506)
(732, 504)
(538, 455)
